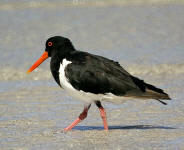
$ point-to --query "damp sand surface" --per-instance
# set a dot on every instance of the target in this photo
(147, 40)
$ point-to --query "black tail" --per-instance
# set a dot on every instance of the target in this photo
(156, 92)
(150, 91)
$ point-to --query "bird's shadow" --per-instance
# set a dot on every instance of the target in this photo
(142, 127)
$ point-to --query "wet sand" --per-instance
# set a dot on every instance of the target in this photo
(147, 40)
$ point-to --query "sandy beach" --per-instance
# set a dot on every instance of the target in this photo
(146, 38)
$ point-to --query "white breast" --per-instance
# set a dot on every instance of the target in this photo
(84, 96)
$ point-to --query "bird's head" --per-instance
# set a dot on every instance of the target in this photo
(56, 45)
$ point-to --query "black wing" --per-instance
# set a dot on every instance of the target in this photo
(98, 75)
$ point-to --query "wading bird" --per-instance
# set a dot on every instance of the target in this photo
(93, 78)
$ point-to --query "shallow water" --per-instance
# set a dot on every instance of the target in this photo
(147, 40)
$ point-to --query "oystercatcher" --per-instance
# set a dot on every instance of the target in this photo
(93, 78)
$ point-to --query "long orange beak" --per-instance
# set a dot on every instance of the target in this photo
(38, 62)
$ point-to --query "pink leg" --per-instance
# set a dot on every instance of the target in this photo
(104, 118)
(81, 117)
(102, 114)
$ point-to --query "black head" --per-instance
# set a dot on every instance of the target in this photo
(55, 46)
(58, 45)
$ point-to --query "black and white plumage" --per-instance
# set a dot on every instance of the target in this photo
(91, 74)
(93, 78)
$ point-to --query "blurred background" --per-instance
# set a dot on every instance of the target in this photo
(146, 37)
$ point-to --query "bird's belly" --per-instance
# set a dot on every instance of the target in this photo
(88, 97)
(79, 94)
(84, 96)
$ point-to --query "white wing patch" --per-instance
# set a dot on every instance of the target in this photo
(86, 97)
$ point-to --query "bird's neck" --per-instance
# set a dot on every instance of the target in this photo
(54, 67)
(55, 62)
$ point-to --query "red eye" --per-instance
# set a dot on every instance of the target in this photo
(50, 43)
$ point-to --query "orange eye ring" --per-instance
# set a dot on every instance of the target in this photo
(50, 43)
